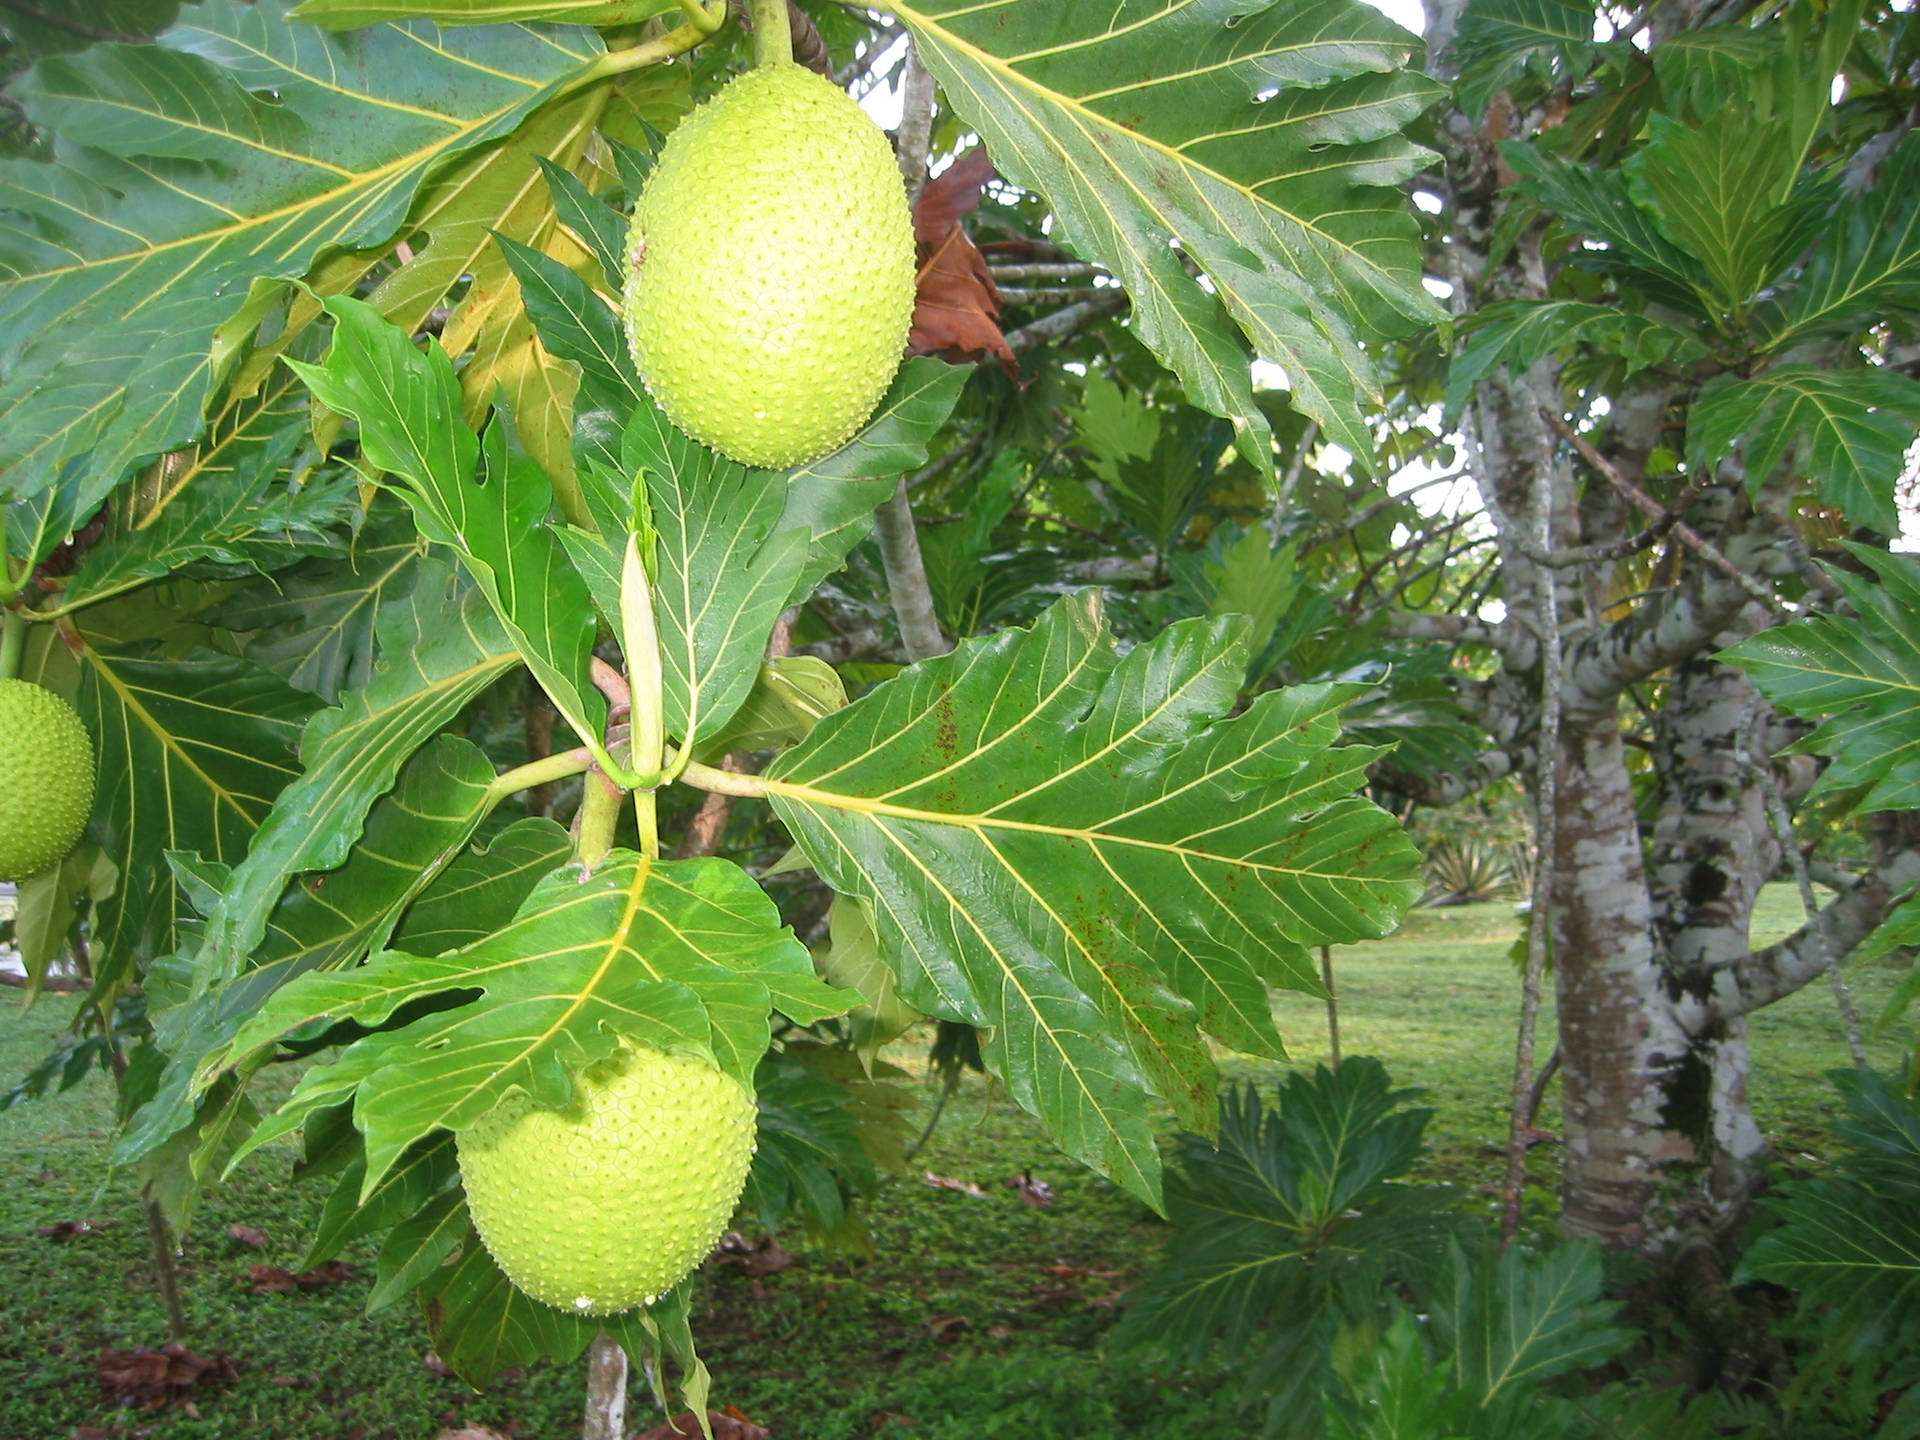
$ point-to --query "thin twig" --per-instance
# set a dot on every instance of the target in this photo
(1068, 321)
(1333, 1004)
(1020, 274)
(1652, 508)
(858, 69)
(1049, 294)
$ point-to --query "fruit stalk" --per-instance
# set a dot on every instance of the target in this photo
(772, 35)
(13, 643)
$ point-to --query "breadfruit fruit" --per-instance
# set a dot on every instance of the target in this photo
(607, 1204)
(770, 276)
(46, 779)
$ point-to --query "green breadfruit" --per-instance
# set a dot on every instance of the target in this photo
(609, 1203)
(771, 278)
(46, 779)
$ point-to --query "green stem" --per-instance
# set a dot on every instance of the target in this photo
(677, 41)
(599, 815)
(772, 34)
(646, 814)
(13, 643)
(701, 18)
(539, 772)
(722, 782)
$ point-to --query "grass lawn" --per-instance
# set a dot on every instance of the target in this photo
(973, 1317)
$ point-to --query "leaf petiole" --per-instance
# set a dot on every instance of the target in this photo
(720, 782)
(677, 41)
(705, 20)
(539, 772)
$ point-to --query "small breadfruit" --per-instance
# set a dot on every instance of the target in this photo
(46, 778)
(770, 277)
(607, 1204)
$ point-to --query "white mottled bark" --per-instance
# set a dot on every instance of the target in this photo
(606, 1413)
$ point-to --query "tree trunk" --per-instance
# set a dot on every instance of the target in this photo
(606, 1412)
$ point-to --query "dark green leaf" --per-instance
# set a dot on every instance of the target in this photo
(1519, 333)
(1499, 41)
(722, 569)
(1072, 850)
(409, 408)
(314, 625)
(239, 146)
(1867, 260)
(1296, 1201)
(1847, 429)
(483, 889)
(1523, 1318)
(440, 651)
(687, 955)
(1264, 139)
(598, 224)
(1859, 676)
(481, 1325)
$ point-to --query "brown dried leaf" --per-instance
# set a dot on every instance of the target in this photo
(947, 1182)
(248, 1236)
(160, 1379)
(730, 1425)
(941, 1328)
(71, 1230)
(956, 311)
(277, 1280)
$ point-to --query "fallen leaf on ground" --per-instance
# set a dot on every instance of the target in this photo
(725, 1427)
(1077, 1272)
(156, 1379)
(438, 1366)
(71, 1230)
(947, 1182)
(956, 311)
(253, 1239)
(278, 1280)
(1035, 1194)
(943, 1327)
(471, 1432)
(764, 1257)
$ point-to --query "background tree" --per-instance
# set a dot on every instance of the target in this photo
(1683, 257)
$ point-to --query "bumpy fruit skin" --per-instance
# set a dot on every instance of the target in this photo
(770, 273)
(46, 779)
(607, 1204)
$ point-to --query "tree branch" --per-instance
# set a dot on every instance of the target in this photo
(1648, 506)
(1758, 979)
